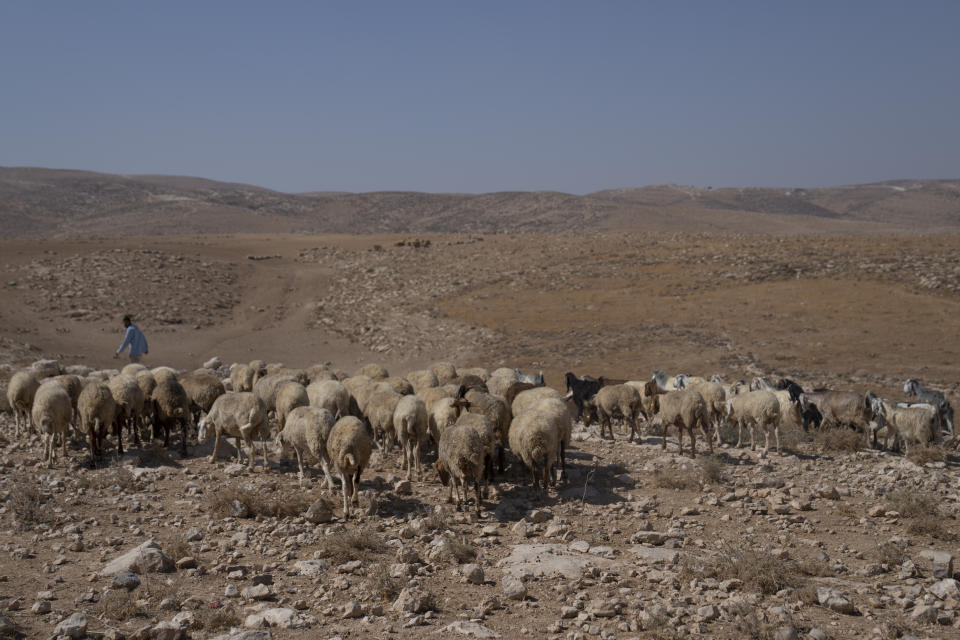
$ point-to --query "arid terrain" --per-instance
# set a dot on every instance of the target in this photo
(853, 289)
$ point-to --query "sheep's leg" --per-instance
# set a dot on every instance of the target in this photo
(356, 485)
(118, 431)
(216, 445)
(299, 466)
(776, 433)
(563, 466)
(680, 437)
(739, 433)
(416, 460)
(753, 442)
(476, 487)
(251, 451)
(408, 458)
(263, 451)
(501, 455)
(766, 440)
(328, 477)
(346, 483)
(663, 435)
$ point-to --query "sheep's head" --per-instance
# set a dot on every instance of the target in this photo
(910, 386)
(204, 429)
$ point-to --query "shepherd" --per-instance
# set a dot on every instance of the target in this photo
(135, 339)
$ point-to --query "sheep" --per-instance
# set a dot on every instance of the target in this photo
(716, 398)
(581, 389)
(330, 395)
(129, 401)
(241, 377)
(422, 379)
(685, 380)
(400, 385)
(488, 436)
(915, 423)
(290, 395)
(240, 414)
(496, 410)
(536, 379)
(756, 409)
(133, 369)
(373, 371)
(410, 423)
(348, 449)
(98, 412)
(620, 400)
(74, 386)
(266, 389)
(203, 387)
(664, 382)
(460, 458)
(161, 373)
(504, 372)
(171, 406)
(441, 416)
(147, 384)
(498, 384)
(306, 431)
(479, 372)
(789, 397)
(535, 439)
(432, 395)
(731, 389)
(258, 369)
(842, 408)
(21, 390)
(470, 382)
(319, 372)
(559, 412)
(444, 371)
(686, 409)
(932, 397)
(379, 414)
(51, 414)
(359, 388)
(529, 398)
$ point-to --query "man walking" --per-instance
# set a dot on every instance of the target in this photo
(133, 338)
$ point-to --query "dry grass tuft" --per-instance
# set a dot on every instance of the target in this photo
(747, 624)
(840, 440)
(177, 548)
(381, 584)
(217, 619)
(892, 554)
(712, 469)
(458, 550)
(760, 571)
(922, 509)
(925, 454)
(114, 477)
(283, 503)
(120, 605)
(344, 546)
(27, 502)
(677, 479)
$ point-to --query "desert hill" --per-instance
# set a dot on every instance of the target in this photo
(64, 203)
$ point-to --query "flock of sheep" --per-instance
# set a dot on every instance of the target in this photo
(468, 417)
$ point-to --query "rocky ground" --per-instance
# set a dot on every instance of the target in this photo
(636, 543)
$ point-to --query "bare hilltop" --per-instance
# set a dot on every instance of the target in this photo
(65, 203)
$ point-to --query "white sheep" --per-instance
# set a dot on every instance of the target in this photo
(488, 436)
(913, 423)
(422, 379)
(756, 409)
(562, 418)
(20, 393)
(379, 411)
(51, 413)
(373, 371)
(530, 398)
(306, 431)
(241, 415)
(411, 424)
(330, 395)
(714, 395)
(98, 412)
(129, 400)
(460, 459)
(348, 449)
(618, 400)
(535, 439)
(445, 372)
(685, 409)
(290, 395)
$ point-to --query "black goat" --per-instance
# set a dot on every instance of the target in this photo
(582, 389)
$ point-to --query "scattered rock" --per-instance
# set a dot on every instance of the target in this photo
(146, 558)
(513, 587)
(413, 600)
(470, 628)
(834, 600)
(74, 626)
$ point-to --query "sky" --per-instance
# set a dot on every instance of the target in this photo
(455, 96)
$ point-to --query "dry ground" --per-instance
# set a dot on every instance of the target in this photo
(849, 312)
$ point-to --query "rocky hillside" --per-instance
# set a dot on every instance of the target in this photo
(46, 202)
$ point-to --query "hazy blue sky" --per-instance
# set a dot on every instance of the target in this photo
(485, 95)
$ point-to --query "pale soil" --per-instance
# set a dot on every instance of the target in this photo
(864, 313)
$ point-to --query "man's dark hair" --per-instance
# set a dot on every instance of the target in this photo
(127, 319)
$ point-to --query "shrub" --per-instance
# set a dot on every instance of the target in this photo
(840, 440)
